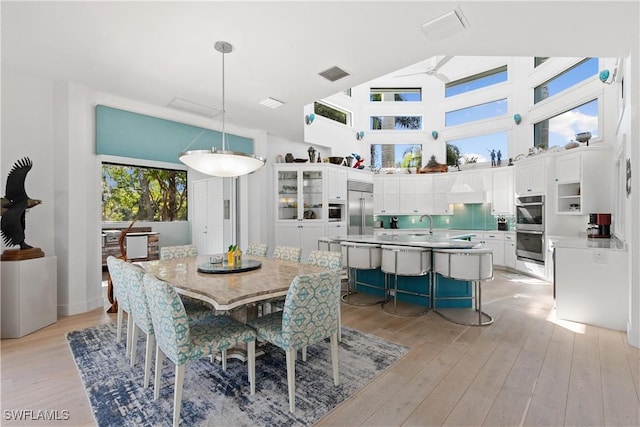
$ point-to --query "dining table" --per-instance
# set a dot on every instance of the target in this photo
(200, 277)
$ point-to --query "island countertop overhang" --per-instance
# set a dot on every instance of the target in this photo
(437, 240)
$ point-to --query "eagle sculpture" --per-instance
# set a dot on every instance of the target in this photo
(15, 203)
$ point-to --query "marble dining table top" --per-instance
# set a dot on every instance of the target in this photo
(228, 291)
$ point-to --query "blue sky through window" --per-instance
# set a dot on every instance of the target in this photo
(476, 112)
(475, 84)
(570, 77)
(480, 146)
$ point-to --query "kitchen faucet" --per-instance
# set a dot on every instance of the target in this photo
(430, 222)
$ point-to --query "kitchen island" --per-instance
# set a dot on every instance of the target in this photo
(410, 287)
(591, 281)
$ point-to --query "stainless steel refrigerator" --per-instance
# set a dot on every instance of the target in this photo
(360, 207)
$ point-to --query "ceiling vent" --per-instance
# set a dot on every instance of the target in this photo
(271, 103)
(194, 107)
(445, 26)
(334, 73)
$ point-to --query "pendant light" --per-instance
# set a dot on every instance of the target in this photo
(216, 162)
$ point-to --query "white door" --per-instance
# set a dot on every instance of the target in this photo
(207, 230)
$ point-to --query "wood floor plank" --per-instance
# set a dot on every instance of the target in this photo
(620, 398)
(584, 400)
(548, 403)
(512, 401)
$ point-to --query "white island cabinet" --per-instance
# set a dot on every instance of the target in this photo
(591, 283)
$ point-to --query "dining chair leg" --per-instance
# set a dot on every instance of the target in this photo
(119, 323)
(158, 375)
(334, 358)
(251, 354)
(304, 353)
(134, 345)
(147, 359)
(129, 334)
(224, 360)
(291, 378)
(177, 394)
(339, 323)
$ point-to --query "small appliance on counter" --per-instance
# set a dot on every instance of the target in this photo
(394, 222)
(378, 223)
(599, 225)
(502, 224)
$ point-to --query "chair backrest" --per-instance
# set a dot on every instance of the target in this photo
(137, 297)
(311, 307)
(120, 288)
(326, 259)
(181, 251)
(170, 322)
(464, 264)
(287, 253)
(257, 249)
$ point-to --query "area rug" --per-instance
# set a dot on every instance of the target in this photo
(213, 397)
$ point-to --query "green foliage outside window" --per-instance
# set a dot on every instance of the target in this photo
(330, 113)
(144, 194)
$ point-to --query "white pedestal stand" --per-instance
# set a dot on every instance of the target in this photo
(28, 293)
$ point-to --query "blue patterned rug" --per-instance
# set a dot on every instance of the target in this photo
(213, 397)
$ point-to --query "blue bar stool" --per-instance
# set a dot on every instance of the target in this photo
(474, 265)
(362, 256)
(406, 261)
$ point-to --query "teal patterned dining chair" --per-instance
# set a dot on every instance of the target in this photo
(331, 260)
(182, 342)
(120, 292)
(133, 276)
(287, 253)
(181, 251)
(257, 249)
(310, 315)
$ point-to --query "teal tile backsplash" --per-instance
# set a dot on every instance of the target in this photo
(476, 216)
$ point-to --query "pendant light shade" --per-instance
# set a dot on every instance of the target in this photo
(216, 162)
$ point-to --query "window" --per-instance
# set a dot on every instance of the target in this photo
(395, 95)
(396, 122)
(562, 128)
(396, 155)
(143, 193)
(476, 112)
(478, 148)
(332, 113)
(477, 81)
(570, 77)
(539, 60)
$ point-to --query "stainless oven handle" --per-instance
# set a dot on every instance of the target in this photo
(529, 231)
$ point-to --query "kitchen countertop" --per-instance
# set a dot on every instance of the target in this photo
(138, 233)
(439, 239)
(586, 243)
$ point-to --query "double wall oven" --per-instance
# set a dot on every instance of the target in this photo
(530, 228)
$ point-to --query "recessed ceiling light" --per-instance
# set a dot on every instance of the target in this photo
(271, 103)
(194, 107)
(445, 26)
(334, 73)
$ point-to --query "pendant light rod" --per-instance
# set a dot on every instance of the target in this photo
(223, 47)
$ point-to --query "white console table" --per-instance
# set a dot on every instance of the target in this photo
(29, 295)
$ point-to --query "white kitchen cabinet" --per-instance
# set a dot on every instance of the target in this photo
(416, 195)
(300, 192)
(336, 184)
(442, 184)
(493, 241)
(386, 195)
(300, 234)
(502, 191)
(470, 186)
(530, 177)
(510, 250)
(582, 182)
(337, 229)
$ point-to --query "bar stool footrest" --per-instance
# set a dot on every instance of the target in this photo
(472, 313)
(404, 309)
(362, 299)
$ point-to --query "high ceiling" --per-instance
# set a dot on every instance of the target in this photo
(157, 51)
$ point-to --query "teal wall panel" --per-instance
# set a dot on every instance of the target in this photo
(126, 134)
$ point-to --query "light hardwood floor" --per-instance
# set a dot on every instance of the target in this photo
(526, 369)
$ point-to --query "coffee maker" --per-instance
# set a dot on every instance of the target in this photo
(599, 225)
(394, 222)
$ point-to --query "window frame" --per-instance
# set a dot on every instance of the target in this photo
(506, 99)
(395, 92)
(348, 114)
(420, 129)
(565, 109)
(559, 75)
(475, 77)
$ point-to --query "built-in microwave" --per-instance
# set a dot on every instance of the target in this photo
(335, 212)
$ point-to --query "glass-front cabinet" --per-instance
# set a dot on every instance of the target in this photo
(300, 194)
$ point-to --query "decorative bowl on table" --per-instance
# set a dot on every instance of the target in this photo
(301, 160)
(336, 160)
